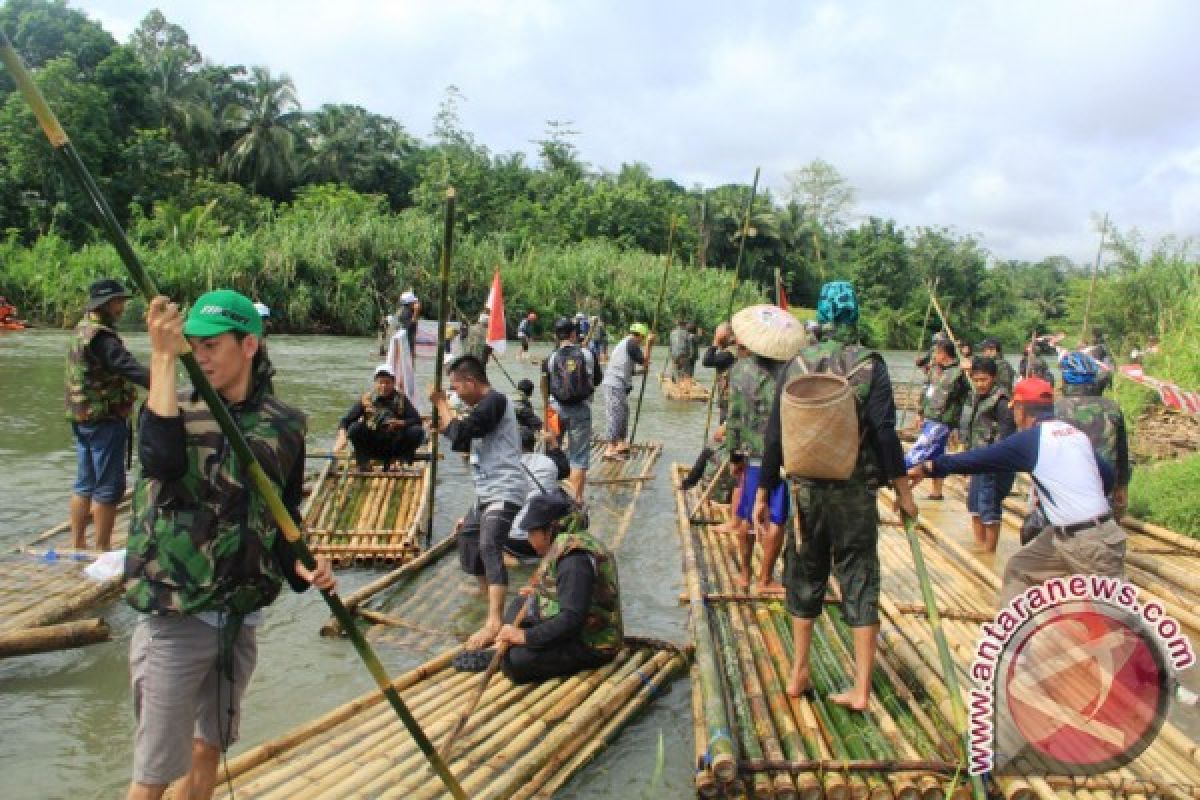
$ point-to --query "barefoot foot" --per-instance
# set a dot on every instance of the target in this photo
(799, 684)
(482, 638)
(850, 700)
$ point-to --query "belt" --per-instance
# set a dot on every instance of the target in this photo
(1076, 527)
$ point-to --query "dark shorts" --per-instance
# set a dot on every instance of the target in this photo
(840, 529)
(777, 501)
(482, 539)
(100, 459)
(985, 496)
(524, 343)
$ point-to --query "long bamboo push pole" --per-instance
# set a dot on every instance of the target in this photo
(942, 316)
(949, 675)
(439, 357)
(662, 293)
(258, 477)
(1087, 309)
(486, 678)
(737, 270)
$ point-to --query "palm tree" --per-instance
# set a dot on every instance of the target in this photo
(265, 130)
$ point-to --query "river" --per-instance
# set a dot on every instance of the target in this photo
(66, 720)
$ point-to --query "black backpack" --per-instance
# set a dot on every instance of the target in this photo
(570, 375)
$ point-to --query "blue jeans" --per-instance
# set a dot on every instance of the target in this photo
(985, 496)
(100, 459)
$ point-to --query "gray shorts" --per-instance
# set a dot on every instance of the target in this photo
(178, 694)
(577, 429)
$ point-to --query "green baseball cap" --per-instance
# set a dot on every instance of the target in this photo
(222, 311)
(639, 328)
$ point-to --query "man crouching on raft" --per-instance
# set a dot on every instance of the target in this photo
(839, 519)
(574, 617)
(205, 556)
(489, 433)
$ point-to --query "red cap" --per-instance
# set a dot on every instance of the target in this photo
(1033, 392)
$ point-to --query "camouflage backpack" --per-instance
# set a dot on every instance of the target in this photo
(603, 629)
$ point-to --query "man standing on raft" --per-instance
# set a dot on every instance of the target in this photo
(839, 518)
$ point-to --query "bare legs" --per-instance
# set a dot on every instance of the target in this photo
(800, 680)
(198, 784)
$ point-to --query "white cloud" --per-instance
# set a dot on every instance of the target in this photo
(1016, 120)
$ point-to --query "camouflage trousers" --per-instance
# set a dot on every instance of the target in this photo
(839, 530)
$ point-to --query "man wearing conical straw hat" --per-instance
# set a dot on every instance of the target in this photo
(768, 337)
(837, 515)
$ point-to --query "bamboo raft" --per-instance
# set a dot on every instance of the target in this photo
(688, 390)
(427, 605)
(366, 518)
(753, 740)
(524, 741)
(638, 468)
(43, 587)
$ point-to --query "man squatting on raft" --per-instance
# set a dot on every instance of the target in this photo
(204, 556)
(1080, 535)
(573, 620)
(489, 433)
(382, 425)
(839, 518)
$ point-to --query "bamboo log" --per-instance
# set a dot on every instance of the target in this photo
(356, 598)
(720, 741)
(53, 637)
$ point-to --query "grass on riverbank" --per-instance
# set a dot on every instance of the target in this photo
(1165, 493)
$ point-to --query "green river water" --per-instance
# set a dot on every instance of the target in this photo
(66, 719)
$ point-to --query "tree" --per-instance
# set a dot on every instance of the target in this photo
(265, 129)
(180, 96)
(368, 152)
(825, 198)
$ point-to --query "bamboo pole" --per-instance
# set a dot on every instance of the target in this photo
(662, 293)
(737, 269)
(720, 742)
(53, 637)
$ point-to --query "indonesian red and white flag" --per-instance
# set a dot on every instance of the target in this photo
(496, 330)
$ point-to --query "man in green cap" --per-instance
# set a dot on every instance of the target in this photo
(101, 387)
(839, 520)
(204, 554)
(623, 364)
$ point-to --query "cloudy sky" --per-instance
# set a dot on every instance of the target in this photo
(1020, 122)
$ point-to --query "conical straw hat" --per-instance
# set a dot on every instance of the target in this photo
(768, 331)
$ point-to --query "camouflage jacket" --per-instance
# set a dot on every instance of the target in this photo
(206, 542)
(374, 406)
(93, 392)
(982, 422)
(751, 394)
(603, 629)
(944, 397)
(857, 364)
(1101, 419)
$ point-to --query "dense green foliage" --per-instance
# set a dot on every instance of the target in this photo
(1165, 493)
